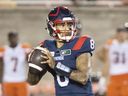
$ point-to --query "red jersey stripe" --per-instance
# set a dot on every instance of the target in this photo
(79, 43)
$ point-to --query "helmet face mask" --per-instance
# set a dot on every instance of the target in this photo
(65, 30)
(61, 24)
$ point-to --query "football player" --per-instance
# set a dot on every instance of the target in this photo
(114, 54)
(13, 67)
(67, 55)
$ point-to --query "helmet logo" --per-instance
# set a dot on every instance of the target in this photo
(55, 14)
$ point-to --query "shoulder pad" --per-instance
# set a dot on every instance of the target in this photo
(46, 43)
(42, 43)
(84, 44)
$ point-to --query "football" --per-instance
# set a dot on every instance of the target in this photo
(34, 59)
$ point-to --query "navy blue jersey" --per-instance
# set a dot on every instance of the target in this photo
(67, 55)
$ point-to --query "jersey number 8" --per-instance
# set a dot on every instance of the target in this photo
(92, 44)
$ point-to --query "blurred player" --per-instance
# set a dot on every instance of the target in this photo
(68, 56)
(114, 54)
(13, 65)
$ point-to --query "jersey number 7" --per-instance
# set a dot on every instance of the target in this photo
(15, 62)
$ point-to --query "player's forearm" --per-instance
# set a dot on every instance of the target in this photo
(76, 75)
(79, 76)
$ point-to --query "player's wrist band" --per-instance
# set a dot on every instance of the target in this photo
(62, 70)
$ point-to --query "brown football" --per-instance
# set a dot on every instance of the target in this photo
(35, 58)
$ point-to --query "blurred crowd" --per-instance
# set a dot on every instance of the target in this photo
(48, 3)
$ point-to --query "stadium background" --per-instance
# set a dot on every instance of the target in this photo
(99, 19)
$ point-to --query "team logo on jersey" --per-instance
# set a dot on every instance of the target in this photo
(65, 52)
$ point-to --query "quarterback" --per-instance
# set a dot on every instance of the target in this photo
(67, 56)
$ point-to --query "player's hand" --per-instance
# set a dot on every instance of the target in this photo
(49, 58)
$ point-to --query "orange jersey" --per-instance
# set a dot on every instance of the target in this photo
(118, 57)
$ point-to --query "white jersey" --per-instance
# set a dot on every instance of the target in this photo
(14, 64)
(118, 57)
